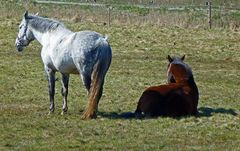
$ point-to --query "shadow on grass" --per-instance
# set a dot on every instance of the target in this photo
(207, 111)
(115, 115)
(203, 112)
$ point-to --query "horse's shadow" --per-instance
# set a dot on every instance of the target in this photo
(202, 112)
(207, 111)
(115, 115)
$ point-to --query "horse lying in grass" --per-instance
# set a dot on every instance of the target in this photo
(179, 97)
(86, 53)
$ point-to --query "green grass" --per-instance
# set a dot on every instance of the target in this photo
(139, 61)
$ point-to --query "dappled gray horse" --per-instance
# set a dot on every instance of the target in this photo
(86, 53)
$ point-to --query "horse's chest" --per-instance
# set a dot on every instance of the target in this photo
(46, 58)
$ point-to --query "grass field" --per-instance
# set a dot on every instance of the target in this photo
(139, 61)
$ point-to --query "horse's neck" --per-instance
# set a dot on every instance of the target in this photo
(50, 37)
(193, 88)
(188, 82)
(194, 93)
(191, 82)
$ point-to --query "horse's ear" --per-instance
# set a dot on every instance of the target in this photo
(183, 57)
(26, 14)
(169, 59)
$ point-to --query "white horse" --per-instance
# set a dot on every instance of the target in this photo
(86, 53)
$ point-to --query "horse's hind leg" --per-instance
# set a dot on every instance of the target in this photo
(65, 81)
(86, 79)
(51, 87)
(87, 83)
(95, 93)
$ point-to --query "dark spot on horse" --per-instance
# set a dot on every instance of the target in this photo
(60, 41)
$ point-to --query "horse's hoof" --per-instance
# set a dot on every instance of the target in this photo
(87, 115)
(63, 112)
(50, 112)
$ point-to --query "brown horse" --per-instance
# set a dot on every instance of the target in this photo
(178, 97)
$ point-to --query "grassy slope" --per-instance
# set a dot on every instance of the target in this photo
(138, 61)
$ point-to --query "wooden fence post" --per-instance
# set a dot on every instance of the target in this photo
(109, 15)
(209, 4)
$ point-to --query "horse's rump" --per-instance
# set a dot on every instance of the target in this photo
(103, 61)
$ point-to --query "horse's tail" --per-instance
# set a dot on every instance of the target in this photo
(100, 69)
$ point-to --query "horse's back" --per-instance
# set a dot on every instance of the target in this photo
(76, 51)
(84, 48)
(164, 89)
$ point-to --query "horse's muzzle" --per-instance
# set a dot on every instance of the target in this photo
(19, 45)
(19, 48)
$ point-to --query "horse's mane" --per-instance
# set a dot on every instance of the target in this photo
(43, 24)
(178, 60)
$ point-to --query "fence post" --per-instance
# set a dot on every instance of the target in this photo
(109, 15)
(209, 4)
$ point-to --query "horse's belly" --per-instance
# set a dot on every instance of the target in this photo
(66, 65)
(66, 68)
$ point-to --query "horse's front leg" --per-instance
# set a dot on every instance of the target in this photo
(65, 80)
(51, 88)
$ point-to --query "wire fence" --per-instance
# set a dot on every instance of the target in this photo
(180, 13)
(177, 13)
